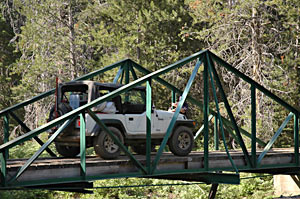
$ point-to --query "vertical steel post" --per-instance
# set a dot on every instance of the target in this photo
(205, 113)
(216, 134)
(82, 146)
(4, 155)
(175, 115)
(296, 138)
(148, 122)
(173, 96)
(230, 114)
(253, 124)
(120, 72)
(126, 80)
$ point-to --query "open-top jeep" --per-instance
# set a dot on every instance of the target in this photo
(124, 115)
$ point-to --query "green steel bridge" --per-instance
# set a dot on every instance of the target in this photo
(209, 166)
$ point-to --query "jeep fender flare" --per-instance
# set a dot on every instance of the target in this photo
(187, 123)
(110, 122)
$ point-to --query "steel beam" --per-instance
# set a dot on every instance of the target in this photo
(205, 113)
(227, 106)
(192, 100)
(50, 92)
(148, 125)
(209, 71)
(296, 139)
(216, 134)
(82, 146)
(251, 81)
(40, 151)
(273, 139)
(202, 127)
(120, 71)
(37, 139)
(116, 140)
(174, 118)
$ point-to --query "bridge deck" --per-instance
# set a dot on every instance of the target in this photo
(61, 168)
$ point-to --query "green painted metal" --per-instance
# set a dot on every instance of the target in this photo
(5, 154)
(209, 71)
(173, 96)
(129, 66)
(273, 139)
(202, 127)
(230, 131)
(48, 93)
(253, 125)
(209, 178)
(148, 125)
(120, 72)
(251, 81)
(116, 140)
(205, 113)
(133, 73)
(110, 95)
(122, 76)
(296, 138)
(193, 101)
(216, 134)
(25, 127)
(3, 160)
(126, 67)
(73, 179)
(40, 151)
(174, 118)
(228, 124)
(227, 106)
(82, 146)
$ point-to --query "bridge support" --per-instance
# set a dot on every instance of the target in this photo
(213, 191)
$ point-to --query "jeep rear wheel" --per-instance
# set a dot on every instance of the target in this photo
(181, 141)
(104, 145)
(67, 151)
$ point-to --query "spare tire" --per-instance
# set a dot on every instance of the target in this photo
(62, 109)
(64, 150)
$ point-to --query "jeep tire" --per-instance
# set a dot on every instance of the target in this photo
(181, 142)
(104, 145)
(67, 151)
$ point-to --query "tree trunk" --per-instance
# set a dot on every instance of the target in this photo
(72, 41)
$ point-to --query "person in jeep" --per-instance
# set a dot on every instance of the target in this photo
(183, 109)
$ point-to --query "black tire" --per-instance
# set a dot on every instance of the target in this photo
(181, 142)
(67, 151)
(64, 150)
(104, 145)
(62, 109)
(141, 149)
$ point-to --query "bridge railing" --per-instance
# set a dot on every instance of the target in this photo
(128, 67)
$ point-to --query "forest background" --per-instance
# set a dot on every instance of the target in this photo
(40, 40)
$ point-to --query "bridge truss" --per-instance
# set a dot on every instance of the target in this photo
(209, 166)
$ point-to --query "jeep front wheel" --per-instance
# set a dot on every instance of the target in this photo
(181, 142)
(104, 145)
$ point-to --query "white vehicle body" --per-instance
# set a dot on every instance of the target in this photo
(135, 124)
(127, 121)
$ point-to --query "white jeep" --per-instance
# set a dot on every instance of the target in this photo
(126, 118)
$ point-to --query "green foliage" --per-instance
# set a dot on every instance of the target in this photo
(70, 38)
